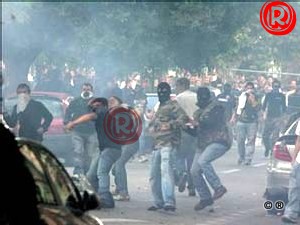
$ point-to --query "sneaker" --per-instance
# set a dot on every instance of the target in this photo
(240, 162)
(169, 208)
(143, 159)
(154, 208)
(182, 182)
(122, 197)
(287, 219)
(203, 204)
(248, 162)
(267, 153)
(219, 192)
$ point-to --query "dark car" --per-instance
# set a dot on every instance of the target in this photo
(279, 165)
(55, 139)
(59, 200)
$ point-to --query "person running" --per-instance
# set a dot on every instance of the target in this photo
(292, 209)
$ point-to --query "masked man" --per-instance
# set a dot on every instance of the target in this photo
(247, 121)
(214, 139)
(274, 107)
(31, 118)
(165, 128)
(84, 137)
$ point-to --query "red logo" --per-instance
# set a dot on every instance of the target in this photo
(122, 125)
(277, 17)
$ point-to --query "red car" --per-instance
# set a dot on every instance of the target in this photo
(55, 139)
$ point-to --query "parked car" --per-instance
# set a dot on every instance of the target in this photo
(55, 139)
(59, 200)
(279, 165)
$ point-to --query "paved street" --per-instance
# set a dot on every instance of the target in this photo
(242, 205)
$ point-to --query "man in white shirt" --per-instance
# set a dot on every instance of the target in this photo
(185, 154)
(293, 207)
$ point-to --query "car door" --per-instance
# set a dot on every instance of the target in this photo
(59, 198)
(48, 204)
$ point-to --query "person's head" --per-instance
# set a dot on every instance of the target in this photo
(86, 91)
(227, 88)
(23, 89)
(114, 101)
(23, 92)
(270, 80)
(249, 87)
(163, 92)
(203, 97)
(98, 104)
(276, 85)
(293, 85)
(182, 84)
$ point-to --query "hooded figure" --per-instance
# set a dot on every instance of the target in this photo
(203, 97)
(163, 92)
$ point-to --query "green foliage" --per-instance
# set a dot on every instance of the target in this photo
(117, 38)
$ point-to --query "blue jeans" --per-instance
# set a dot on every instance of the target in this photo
(99, 173)
(120, 170)
(162, 177)
(202, 166)
(246, 131)
(293, 207)
(85, 147)
(185, 156)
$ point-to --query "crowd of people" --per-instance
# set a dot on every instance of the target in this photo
(189, 133)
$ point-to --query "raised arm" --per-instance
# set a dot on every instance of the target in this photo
(82, 119)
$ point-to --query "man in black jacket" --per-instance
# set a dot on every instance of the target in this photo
(84, 138)
(31, 117)
(110, 151)
(274, 107)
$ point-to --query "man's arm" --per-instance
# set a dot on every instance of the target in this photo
(47, 116)
(297, 149)
(284, 104)
(265, 102)
(182, 117)
(12, 119)
(69, 111)
(81, 119)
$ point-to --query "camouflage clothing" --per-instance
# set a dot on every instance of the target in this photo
(166, 124)
(212, 126)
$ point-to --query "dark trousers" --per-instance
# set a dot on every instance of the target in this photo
(185, 156)
(270, 134)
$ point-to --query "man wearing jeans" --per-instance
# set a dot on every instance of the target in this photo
(121, 192)
(187, 100)
(165, 129)
(110, 152)
(292, 209)
(213, 141)
(247, 117)
(84, 137)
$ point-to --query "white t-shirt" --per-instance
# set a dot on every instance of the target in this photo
(298, 134)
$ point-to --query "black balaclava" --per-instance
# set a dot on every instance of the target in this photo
(203, 97)
(276, 86)
(227, 89)
(163, 92)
